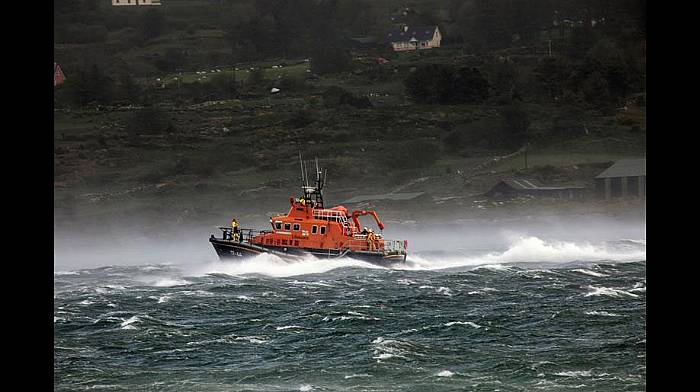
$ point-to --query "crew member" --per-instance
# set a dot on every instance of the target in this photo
(364, 230)
(235, 231)
(370, 240)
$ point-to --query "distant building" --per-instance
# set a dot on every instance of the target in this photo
(414, 38)
(626, 178)
(387, 197)
(515, 187)
(58, 76)
(135, 2)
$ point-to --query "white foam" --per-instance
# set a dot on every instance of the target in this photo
(252, 339)
(357, 375)
(610, 292)
(444, 290)
(574, 373)
(445, 373)
(168, 282)
(271, 265)
(288, 327)
(451, 323)
(306, 387)
(601, 313)
(591, 273)
(127, 323)
(60, 273)
(530, 249)
(389, 348)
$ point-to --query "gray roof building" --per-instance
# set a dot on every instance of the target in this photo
(626, 168)
(523, 186)
(386, 196)
(626, 178)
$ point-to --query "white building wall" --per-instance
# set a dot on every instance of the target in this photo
(135, 2)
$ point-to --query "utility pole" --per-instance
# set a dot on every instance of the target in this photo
(527, 147)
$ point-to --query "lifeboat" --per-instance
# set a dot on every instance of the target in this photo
(308, 228)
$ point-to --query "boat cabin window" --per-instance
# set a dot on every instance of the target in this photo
(296, 227)
(278, 225)
(323, 230)
(287, 226)
(314, 229)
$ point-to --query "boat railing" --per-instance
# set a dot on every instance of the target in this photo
(330, 215)
(360, 243)
(244, 235)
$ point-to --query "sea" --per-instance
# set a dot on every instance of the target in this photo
(535, 315)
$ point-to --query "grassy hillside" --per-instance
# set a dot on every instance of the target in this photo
(199, 136)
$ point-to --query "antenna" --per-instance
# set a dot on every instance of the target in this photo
(301, 163)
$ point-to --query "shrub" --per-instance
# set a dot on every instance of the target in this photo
(336, 96)
(301, 118)
(441, 83)
(413, 155)
(149, 121)
(330, 60)
(515, 125)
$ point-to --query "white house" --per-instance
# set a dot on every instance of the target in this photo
(135, 2)
(414, 38)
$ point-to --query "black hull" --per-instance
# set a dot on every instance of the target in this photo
(230, 250)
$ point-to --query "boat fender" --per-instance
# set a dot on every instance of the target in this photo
(405, 244)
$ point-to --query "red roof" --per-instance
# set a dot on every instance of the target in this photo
(58, 76)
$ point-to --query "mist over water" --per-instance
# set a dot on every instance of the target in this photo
(522, 305)
(431, 246)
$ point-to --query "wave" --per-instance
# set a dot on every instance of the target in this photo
(521, 250)
(532, 250)
(271, 265)
(608, 291)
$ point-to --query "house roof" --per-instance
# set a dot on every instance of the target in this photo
(530, 184)
(387, 196)
(420, 33)
(626, 168)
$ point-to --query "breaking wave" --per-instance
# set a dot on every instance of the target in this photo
(520, 250)
(535, 250)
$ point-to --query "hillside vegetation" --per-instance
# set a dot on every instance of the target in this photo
(168, 110)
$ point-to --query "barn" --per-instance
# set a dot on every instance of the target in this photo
(625, 178)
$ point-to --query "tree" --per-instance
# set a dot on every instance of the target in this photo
(152, 24)
(515, 125)
(150, 120)
(470, 86)
(441, 83)
(90, 86)
(552, 74)
(171, 61)
(595, 88)
(430, 83)
(128, 89)
(329, 60)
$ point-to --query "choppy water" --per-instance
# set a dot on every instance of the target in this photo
(537, 316)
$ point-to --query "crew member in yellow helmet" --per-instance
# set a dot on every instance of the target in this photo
(370, 240)
(235, 232)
